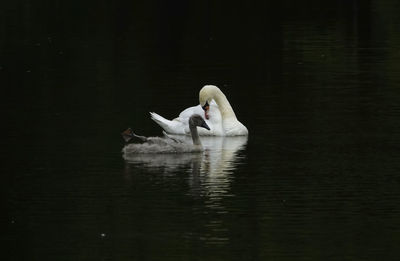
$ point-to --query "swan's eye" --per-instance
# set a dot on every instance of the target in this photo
(205, 107)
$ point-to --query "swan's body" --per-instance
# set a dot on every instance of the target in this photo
(217, 111)
(166, 144)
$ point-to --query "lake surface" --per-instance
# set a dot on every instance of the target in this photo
(317, 85)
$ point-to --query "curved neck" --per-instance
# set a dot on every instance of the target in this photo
(223, 104)
(195, 135)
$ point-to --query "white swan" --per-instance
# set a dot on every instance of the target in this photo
(167, 144)
(217, 112)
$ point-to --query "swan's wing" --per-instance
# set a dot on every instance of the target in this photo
(171, 138)
(185, 114)
(175, 126)
(214, 114)
(214, 121)
(180, 124)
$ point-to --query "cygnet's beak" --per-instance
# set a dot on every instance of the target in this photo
(206, 107)
(205, 126)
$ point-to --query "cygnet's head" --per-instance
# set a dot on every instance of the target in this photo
(205, 96)
(197, 120)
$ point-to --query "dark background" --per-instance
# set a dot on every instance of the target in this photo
(315, 82)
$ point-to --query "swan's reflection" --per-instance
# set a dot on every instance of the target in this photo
(219, 160)
(209, 179)
(210, 172)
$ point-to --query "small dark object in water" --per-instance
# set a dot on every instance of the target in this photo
(127, 134)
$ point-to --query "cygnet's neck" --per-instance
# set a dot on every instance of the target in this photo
(223, 104)
(195, 135)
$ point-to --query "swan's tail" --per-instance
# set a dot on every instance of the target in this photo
(174, 127)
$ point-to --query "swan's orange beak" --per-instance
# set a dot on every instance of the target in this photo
(206, 107)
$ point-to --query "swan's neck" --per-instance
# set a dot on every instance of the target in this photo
(223, 104)
(195, 135)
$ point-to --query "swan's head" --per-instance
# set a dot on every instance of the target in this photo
(205, 96)
(197, 120)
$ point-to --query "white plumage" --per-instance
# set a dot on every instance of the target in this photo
(221, 117)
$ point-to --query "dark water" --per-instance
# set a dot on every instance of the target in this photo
(316, 83)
